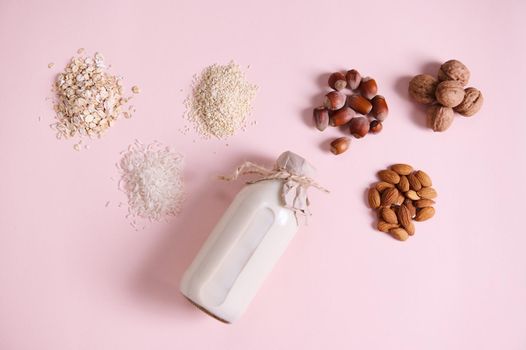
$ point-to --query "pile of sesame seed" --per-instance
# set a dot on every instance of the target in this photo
(88, 100)
(220, 101)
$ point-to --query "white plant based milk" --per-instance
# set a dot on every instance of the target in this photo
(241, 251)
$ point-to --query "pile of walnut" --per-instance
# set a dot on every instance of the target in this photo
(362, 111)
(446, 94)
(401, 196)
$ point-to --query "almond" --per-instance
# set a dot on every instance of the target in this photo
(412, 195)
(409, 204)
(424, 179)
(389, 196)
(402, 169)
(382, 185)
(400, 199)
(423, 214)
(414, 183)
(389, 176)
(404, 216)
(399, 233)
(385, 226)
(374, 198)
(424, 203)
(389, 216)
(427, 193)
(403, 185)
(410, 229)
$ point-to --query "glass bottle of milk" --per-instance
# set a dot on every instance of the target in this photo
(249, 239)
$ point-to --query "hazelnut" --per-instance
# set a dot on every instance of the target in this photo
(353, 79)
(321, 118)
(379, 110)
(340, 145)
(422, 88)
(439, 118)
(337, 81)
(471, 104)
(360, 104)
(449, 93)
(368, 88)
(454, 70)
(375, 126)
(359, 127)
(342, 116)
(334, 100)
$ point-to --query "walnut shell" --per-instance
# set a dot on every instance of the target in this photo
(471, 104)
(422, 88)
(439, 118)
(454, 70)
(449, 93)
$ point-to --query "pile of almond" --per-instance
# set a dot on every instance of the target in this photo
(362, 111)
(401, 196)
(446, 95)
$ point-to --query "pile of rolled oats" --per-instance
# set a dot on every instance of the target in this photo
(88, 100)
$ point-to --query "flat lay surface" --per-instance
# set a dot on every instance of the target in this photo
(75, 274)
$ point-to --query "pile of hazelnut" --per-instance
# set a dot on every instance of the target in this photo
(363, 111)
(446, 95)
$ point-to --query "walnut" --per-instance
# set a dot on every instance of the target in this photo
(449, 93)
(439, 118)
(422, 88)
(471, 104)
(454, 70)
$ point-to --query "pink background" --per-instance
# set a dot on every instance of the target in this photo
(74, 275)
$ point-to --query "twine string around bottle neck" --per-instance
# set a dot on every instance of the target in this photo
(293, 193)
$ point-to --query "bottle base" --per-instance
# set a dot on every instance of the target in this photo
(206, 311)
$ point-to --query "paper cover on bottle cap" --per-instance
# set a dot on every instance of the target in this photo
(295, 164)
